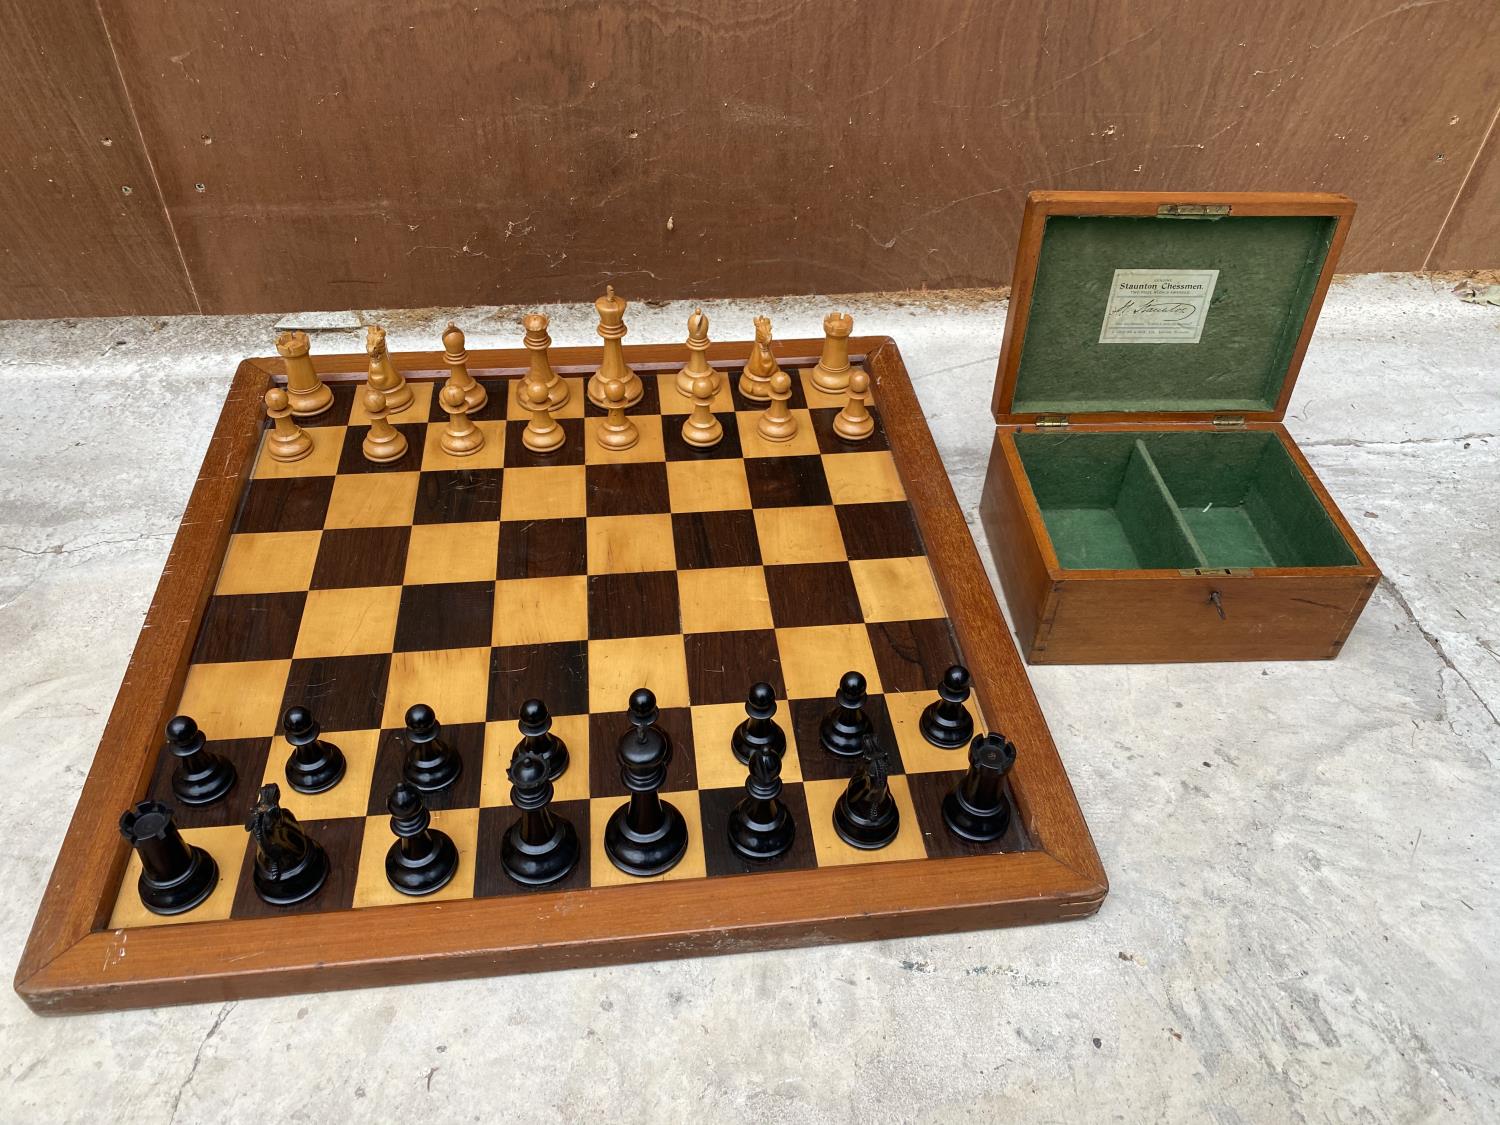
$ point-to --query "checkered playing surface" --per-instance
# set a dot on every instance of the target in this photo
(472, 584)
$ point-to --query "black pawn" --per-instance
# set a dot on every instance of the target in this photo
(760, 729)
(175, 875)
(423, 859)
(760, 827)
(646, 835)
(201, 777)
(431, 764)
(540, 847)
(846, 726)
(977, 808)
(866, 815)
(537, 736)
(946, 722)
(290, 865)
(313, 766)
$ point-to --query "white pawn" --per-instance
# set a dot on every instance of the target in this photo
(853, 423)
(460, 437)
(617, 431)
(384, 442)
(777, 422)
(542, 433)
(288, 441)
(702, 429)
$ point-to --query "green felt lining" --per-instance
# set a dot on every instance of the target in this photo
(1162, 500)
(1268, 271)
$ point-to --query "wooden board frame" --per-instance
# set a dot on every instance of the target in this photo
(72, 963)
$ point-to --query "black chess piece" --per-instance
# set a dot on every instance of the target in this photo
(423, 859)
(175, 875)
(540, 847)
(845, 727)
(866, 815)
(537, 736)
(977, 808)
(431, 764)
(290, 866)
(314, 766)
(646, 835)
(946, 722)
(760, 826)
(759, 729)
(201, 776)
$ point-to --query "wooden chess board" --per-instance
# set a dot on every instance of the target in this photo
(472, 584)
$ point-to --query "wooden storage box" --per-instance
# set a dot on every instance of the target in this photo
(1144, 501)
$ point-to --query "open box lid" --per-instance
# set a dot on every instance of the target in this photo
(1164, 307)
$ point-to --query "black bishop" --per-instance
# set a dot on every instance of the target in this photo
(646, 835)
(423, 859)
(760, 826)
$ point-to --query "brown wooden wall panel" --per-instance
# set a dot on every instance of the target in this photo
(338, 153)
(72, 241)
(1471, 237)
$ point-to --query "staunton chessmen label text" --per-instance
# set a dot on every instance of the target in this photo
(474, 663)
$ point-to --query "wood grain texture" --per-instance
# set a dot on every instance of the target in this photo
(1470, 239)
(82, 229)
(528, 151)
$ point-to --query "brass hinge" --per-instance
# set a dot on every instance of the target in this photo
(1217, 572)
(1192, 210)
(1229, 421)
(1052, 420)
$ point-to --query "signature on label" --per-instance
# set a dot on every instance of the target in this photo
(1136, 310)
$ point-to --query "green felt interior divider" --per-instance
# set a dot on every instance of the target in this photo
(1124, 501)
(1268, 271)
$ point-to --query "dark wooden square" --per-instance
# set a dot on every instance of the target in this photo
(517, 456)
(352, 458)
(741, 403)
(292, 504)
(249, 758)
(633, 605)
(712, 539)
(786, 482)
(249, 627)
(813, 594)
(727, 448)
(342, 692)
(927, 793)
(650, 401)
(340, 838)
(350, 557)
(879, 531)
(458, 496)
(557, 674)
(913, 655)
(607, 728)
(338, 411)
(818, 764)
(715, 805)
(543, 548)
(490, 878)
(445, 615)
(830, 442)
(628, 490)
(466, 738)
(722, 666)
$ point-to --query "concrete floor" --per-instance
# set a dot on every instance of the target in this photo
(1303, 918)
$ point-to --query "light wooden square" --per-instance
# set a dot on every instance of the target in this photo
(723, 599)
(831, 850)
(269, 562)
(549, 492)
(372, 500)
(708, 486)
(350, 797)
(713, 728)
(500, 741)
(573, 408)
(452, 552)
(537, 611)
(372, 888)
(418, 411)
(899, 589)
(323, 461)
(236, 700)
(603, 873)
(454, 682)
(917, 754)
(813, 659)
(817, 398)
(630, 544)
(350, 622)
(803, 443)
(618, 667)
(226, 844)
(648, 446)
(862, 478)
(799, 535)
(490, 455)
(675, 404)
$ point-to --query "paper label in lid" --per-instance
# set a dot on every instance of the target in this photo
(1157, 306)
